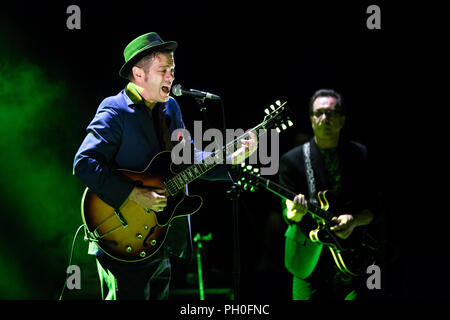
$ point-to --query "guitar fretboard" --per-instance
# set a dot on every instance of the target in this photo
(285, 193)
(179, 181)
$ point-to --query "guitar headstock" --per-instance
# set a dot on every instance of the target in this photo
(278, 116)
(250, 178)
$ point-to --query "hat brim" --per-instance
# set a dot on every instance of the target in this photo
(126, 68)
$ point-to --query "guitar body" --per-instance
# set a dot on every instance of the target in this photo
(352, 255)
(133, 233)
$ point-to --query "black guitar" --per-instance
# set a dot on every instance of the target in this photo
(352, 255)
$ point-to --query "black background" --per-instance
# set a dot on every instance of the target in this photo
(252, 54)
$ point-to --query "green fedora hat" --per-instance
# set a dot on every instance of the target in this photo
(142, 46)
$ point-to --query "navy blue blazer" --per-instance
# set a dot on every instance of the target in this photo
(123, 135)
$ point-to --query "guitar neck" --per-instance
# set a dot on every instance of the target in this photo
(194, 171)
(276, 188)
(285, 193)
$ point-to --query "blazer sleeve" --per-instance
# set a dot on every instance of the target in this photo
(94, 162)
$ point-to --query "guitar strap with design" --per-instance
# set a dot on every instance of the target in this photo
(309, 172)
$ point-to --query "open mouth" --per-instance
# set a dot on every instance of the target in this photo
(165, 89)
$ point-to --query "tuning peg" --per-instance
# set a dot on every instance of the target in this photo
(267, 111)
(255, 170)
(278, 103)
(249, 167)
(272, 107)
(278, 130)
(283, 126)
(290, 123)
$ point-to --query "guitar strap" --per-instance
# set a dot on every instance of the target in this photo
(309, 172)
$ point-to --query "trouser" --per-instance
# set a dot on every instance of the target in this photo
(328, 289)
(326, 282)
(148, 280)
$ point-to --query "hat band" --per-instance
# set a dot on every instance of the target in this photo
(152, 44)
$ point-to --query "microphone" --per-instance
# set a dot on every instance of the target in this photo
(178, 90)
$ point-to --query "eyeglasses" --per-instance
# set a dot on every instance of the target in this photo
(328, 113)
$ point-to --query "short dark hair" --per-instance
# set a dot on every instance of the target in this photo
(145, 62)
(327, 93)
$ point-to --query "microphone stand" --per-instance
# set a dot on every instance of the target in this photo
(233, 194)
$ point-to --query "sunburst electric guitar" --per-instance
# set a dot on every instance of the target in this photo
(352, 255)
(133, 233)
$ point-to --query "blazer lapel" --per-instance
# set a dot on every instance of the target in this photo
(144, 117)
(318, 167)
(147, 124)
